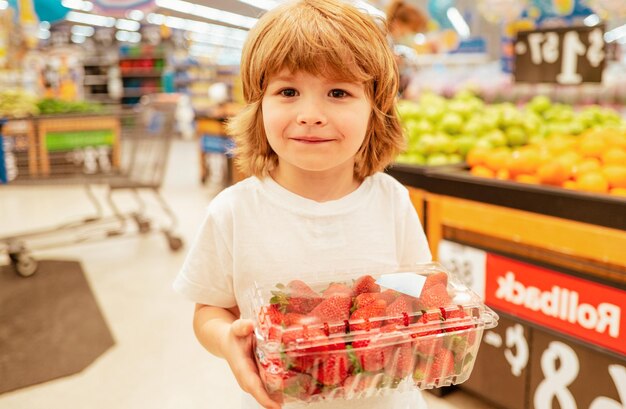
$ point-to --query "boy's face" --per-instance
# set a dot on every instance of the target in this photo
(313, 123)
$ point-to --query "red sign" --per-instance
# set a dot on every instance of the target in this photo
(586, 310)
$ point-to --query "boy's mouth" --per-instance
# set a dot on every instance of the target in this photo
(311, 139)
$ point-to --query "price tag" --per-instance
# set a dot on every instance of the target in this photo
(566, 56)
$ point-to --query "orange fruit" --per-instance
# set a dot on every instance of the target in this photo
(558, 144)
(586, 165)
(524, 161)
(553, 173)
(482, 171)
(498, 159)
(591, 146)
(618, 191)
(503, 174)
(569, 184)
(532, 179)
(594, 182)
(477, 156)
(615, 175)
(614, 156)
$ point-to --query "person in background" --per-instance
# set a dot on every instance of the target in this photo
(320, 124)
(404, 21)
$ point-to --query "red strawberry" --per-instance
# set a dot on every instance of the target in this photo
(366, 355)
(296, 297)
(457, 316)
(372, 315)
(400, 362)
(355, 384)
(389, 295)
(434, 279)
(434, 297)
(365, 284)
(333, 369)
(337, 289)
(292, 318)
(299, 385)
(443, 365)
(401, 309)
(271, 320)
(334, 310)
(363, 300)
(426, 340)
(303, 358)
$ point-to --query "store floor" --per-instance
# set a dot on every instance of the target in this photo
(156, 362)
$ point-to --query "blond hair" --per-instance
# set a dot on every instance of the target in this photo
(327, 38)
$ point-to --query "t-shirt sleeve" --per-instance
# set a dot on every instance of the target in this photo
(206, 275)
(412, 244)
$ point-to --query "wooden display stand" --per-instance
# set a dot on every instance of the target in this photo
(24, 130)
(79, 127)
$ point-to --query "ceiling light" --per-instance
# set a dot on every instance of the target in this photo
(458, 22)
(128, 25)
(85, 31)
(135, 15)
(77, 5)
(261, 4)
(91, 19)
(369, 8)
(591, 20)
(207, 12)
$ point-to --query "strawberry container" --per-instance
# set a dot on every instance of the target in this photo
(368, 334)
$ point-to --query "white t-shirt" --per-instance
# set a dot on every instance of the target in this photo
(257, 230)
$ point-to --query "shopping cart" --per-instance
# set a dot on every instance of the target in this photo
(124, 150)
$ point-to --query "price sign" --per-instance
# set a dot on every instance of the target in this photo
(567, 375)
(567, 56)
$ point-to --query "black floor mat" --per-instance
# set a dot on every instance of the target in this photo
(50, 324)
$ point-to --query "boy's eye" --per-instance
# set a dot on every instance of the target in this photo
(288, 92)
(338, 93)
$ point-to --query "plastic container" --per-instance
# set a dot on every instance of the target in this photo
(334, 339)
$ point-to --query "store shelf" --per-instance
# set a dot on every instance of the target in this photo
(141, 73)
(598, 209)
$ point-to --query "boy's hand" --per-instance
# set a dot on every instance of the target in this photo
(237, 350)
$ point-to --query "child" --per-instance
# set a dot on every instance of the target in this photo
(320, 123)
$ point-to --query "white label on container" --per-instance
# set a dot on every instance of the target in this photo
(407, 283)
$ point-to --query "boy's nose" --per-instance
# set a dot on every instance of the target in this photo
(311, 114)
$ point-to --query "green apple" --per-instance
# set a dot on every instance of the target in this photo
(516, 136)
(451, 123)
(539, 104)
(437, 159)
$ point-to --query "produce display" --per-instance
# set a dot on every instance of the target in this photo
(442, 131)
(594, 161)
(367, 337)
(50, 106)
(20, 104)
(17, 104)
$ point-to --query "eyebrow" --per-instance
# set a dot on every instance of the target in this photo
(290, 78)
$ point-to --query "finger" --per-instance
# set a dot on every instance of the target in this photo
(242, 327)
(257, 390)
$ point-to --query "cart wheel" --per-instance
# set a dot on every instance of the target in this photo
(26, 265)
(175, 243)
(143, 224)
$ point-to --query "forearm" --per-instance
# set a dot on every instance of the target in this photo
(211, 326)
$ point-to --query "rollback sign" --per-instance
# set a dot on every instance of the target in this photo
(584, 309)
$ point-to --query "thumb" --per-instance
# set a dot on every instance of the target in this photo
(242, 327)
